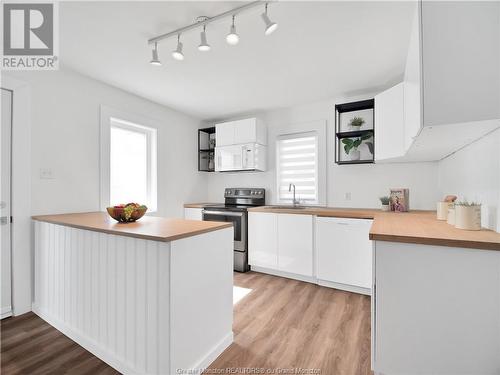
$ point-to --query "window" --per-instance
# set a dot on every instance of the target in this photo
(128, 162)
(297, 163)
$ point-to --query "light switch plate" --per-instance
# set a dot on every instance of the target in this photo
(46, 174)
(348, 196)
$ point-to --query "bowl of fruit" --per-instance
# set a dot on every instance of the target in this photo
(127, 213)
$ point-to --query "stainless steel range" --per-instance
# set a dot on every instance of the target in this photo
(236, 203)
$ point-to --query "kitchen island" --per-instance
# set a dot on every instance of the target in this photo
(150, 297)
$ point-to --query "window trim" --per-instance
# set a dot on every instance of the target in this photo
(302, 134)
(113, 117)
(318, 126)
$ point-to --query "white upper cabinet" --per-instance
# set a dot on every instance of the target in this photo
(461, 62)
(390, 122)
(251, 130)
(451, 88)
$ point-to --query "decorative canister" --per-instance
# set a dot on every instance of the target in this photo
(468, 216)
(451, 215)
(442, 210)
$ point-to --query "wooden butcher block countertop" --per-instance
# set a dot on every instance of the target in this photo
(148, 227)
(420, 227)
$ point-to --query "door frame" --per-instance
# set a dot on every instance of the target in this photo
(21, 227)
(6, 314)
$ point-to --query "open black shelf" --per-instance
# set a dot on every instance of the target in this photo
(339, 135)
(204, 153)
(354, 133)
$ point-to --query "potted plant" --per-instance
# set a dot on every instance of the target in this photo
(351, 145)
(385, 203)
(468, 215)
(356, 123)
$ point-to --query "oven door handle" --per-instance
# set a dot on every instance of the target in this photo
(225, 213)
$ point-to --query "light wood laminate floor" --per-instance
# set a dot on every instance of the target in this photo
(279, 324)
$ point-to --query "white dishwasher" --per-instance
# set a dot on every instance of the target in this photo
(344, 253)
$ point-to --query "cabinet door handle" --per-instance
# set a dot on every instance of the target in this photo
(342, 223)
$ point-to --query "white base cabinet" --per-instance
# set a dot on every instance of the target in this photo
(191, 213)
(263, 239)
(435, 310)
(344, 251)
(295, 244)
(338, 253)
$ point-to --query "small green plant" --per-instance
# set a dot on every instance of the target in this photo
(357, 121)
(467, 203)
(385, 200)
(354, 143)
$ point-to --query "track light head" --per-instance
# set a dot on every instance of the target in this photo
(155, 60)
(270, 26)
(177, 54)
(204, 46)
(232, 38)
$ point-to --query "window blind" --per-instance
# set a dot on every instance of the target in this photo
(297, 163)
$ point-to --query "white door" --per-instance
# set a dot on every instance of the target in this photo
(295, 244)
(344, 251)
(224, 134)
(262, 239)
(5, 209)
(228, 158)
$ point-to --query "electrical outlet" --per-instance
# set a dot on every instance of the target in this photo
(347, 196)
(46, 174)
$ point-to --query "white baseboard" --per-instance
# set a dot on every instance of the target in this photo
(214, 353)
(288, 275)
(5, 312)
(313, 280)
(81, 339)
(346, 287)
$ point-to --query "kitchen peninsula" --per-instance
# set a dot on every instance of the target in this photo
(150, 297)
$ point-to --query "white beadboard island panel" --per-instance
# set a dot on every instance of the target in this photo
(113, 295)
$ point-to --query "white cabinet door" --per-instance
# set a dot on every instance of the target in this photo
(389, 123)
(412, 87)
(228, 158)
(295, 244)
(224, 134)
(193, 213)
(245, 131)
(461, 46)
(344, 251)
(262, 240)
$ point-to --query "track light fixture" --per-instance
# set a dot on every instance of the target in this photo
(204, 46)
(232, 38)
(270, 26)
(155, 60)
(177, 54)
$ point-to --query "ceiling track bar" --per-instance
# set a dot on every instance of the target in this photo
(208, 20)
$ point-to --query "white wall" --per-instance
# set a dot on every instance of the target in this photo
(365, 183)
(473, 173)
(65, 138)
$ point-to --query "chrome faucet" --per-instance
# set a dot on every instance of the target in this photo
(295, 201)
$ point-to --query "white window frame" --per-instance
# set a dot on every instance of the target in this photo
(111, 117)
(305, 134)
(292, 130)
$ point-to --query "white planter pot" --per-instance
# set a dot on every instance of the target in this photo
(354, 154)
(468, 217)
(386, 207)
(442, 210)
(451, 216)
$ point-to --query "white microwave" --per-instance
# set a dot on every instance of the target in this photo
(245, 157)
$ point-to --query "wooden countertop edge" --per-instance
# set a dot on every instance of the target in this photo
(135, 235)
(447, 242)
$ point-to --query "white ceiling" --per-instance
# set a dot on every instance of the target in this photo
(321, 50)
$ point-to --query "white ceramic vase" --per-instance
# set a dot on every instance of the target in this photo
(386, 207)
